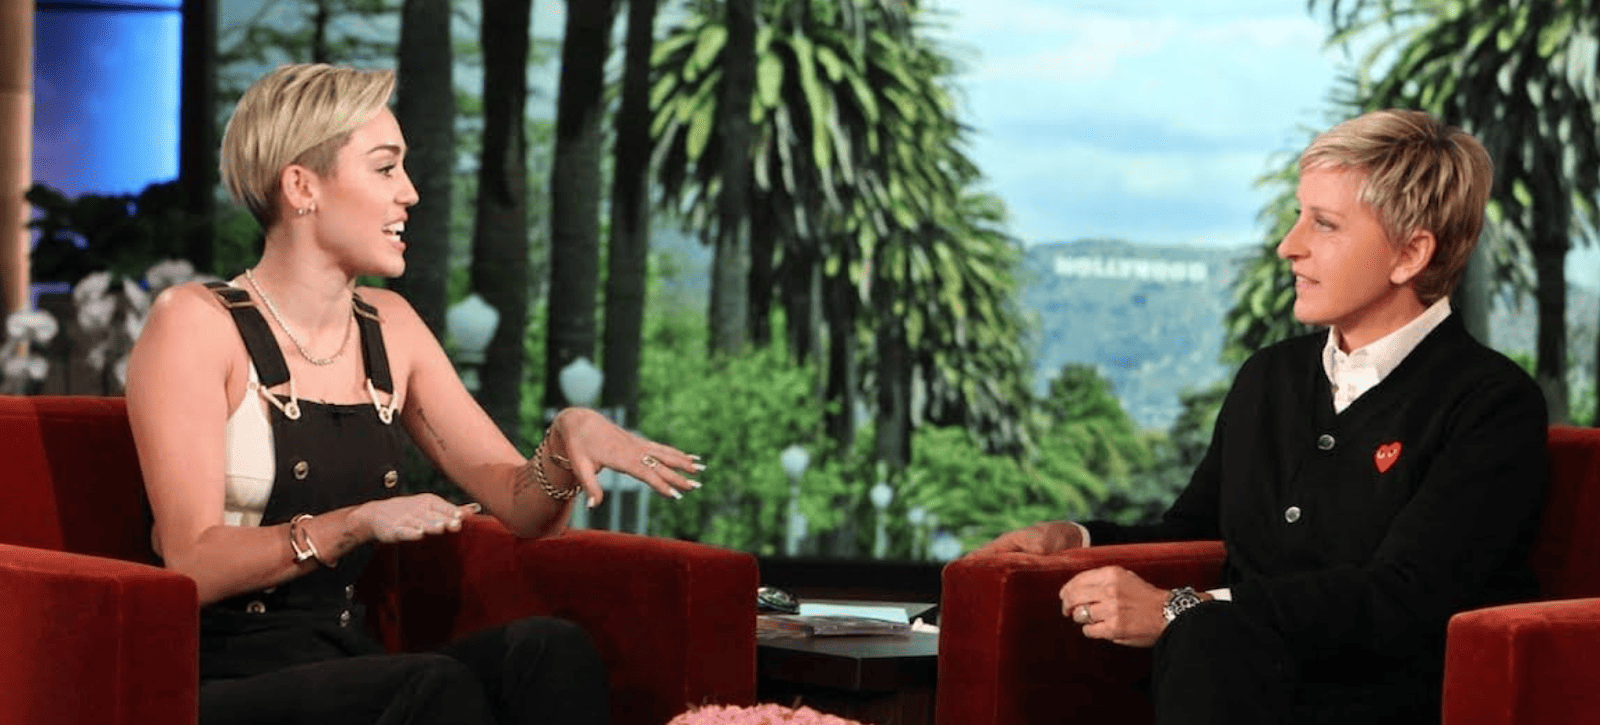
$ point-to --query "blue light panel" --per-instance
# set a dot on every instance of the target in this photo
(106, 95)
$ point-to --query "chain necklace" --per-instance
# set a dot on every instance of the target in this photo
(319, 361)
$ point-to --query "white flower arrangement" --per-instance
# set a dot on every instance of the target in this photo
(108, 317)
(21, 362)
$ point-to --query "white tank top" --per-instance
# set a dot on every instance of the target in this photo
(251, 463)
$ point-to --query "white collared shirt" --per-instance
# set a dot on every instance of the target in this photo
(1352, 374)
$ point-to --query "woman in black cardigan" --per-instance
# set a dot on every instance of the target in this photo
(1369, 481)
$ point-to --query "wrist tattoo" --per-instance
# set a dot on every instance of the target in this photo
(347, 541)
(525, 477)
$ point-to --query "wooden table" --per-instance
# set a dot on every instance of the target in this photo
(879, 679)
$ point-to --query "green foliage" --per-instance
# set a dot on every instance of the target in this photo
(737, 415)
(350, 32)
(238, 240)
(1093, 444)
(1087, 420)
(980, 495)
(858, 160)
(1174, 456)
(123, 233)
(951, 287)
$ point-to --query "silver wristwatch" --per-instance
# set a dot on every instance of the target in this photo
(1179, 601)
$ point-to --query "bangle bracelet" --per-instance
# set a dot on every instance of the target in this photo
(304, 552)
(300, 542)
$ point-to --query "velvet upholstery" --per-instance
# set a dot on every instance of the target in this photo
(1007, 656)
(94, 633)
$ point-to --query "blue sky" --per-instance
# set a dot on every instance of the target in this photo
(1142, 120)
(1145, 120)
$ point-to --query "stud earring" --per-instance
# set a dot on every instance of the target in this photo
(302, 211)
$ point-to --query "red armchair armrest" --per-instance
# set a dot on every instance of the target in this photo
(673, 620)
(1524, 664)
(1008, 657)
(95, 640)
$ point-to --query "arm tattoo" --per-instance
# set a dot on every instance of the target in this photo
(438, 440)
(347, 543)
(526, 478)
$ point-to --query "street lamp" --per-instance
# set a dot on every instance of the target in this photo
(580, 383)
(795, 460)
(881, 496)
(946, 546)
(918, 516)
(471, 322)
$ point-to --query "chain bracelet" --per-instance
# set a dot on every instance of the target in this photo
(559, 494)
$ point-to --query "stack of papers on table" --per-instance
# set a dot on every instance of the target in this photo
(829, 625)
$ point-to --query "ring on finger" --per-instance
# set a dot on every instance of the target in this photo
(1081, 614)
(650, 461)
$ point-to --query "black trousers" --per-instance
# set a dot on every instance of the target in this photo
(1216, 665)
(535, 671)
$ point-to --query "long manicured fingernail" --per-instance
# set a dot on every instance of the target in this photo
(675, 494)
(693, 457)
(593, 503)
(473, 508)
(698, 467)
(694, 484)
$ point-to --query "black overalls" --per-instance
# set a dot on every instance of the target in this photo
(299, 652)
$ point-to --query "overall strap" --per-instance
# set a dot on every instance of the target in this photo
(258, 339)
(373, 353)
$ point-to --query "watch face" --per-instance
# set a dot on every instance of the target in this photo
(1179, 601)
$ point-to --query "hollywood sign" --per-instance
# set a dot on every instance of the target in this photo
(1144, 270)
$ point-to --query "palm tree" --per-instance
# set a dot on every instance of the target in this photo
(852, 124)
(500, 227)
(575, 190)
(629, 250)
(810, 98)
(730, 276)
(425, 106)
(197, 139)
(1521, 75)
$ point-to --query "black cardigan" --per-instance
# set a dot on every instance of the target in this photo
(1349, 551)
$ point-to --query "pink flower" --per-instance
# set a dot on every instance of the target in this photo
(768, 714)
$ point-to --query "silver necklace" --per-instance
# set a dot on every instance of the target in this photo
(320, 361)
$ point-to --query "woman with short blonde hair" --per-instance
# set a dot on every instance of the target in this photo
(1369, 480)
(270, 414)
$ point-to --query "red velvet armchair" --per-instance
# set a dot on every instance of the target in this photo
(1008, 657)
(92, 632)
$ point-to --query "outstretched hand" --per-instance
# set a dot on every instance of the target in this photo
(590, 442)
(409, 518)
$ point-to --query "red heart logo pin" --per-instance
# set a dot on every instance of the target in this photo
(1386, 456)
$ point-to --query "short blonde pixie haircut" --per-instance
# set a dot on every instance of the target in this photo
(298, 114)
(1421, 174)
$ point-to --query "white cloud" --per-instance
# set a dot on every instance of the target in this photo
(966, 18)
(1143, 119)
(1073, 189)
(1093, 50)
